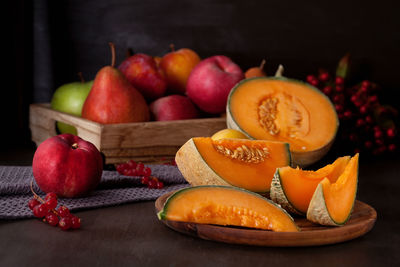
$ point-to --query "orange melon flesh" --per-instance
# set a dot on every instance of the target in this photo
(340, 196)
(318, 121)
(299, 185)
(255, 177)
(223, 205)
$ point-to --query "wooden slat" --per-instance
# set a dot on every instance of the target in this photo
(162, 133)
(146, 142)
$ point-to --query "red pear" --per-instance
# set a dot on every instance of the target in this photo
(113, 99)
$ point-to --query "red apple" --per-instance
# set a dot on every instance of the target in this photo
(144, 74)
(211, 81)
(67, 165)
(173, 107)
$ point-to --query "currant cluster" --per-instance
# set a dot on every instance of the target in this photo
(132, 168)
(47, 209)
(366, 124)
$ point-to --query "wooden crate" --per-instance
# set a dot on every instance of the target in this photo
(148, 142)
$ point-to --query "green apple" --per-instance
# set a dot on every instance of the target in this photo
(69, 98)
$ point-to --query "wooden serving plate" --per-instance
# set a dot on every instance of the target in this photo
(362, 220)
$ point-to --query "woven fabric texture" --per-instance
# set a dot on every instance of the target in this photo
(114, 189)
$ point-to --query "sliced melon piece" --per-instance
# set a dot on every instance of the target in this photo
(332, 203)
(226, 205)
(281, 109)
(293, 188)
(249, 164)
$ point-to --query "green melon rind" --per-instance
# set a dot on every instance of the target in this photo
(317, 211)
(277, 194)
(162, 214)
(196, 171)
(302, 159)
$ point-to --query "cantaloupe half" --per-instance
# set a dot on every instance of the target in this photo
(332, 203)
(293, 188)
(244, 163)
(282, 109)
(226, 205)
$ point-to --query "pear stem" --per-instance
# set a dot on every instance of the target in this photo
(81, 77)
(112, 46)
(172, 47)
(262, 64)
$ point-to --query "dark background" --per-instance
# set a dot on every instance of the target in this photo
(53, 40)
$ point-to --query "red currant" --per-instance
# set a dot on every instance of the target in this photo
(40, 211)
(354, 98)
(360, 122)
(368, 119)
(363, 109)
(392, 147)
(147, 171)
(132, 164)
(339, 88)
(152, 183)
(339, 108)
(75, 222)
(145, 180)
(52, 219)
(65, 223)
(140, 168)
(33, 203)
(378, 134)
(390, 133)
(327, 90)
(366, 83)
(63, 211)
(379, 141)
(50, 195)
(310, 78)
(368, 144)
(324, 77)
(160, 185)
(51, 203)
(373, 98)
(339, 80)
(347, 114)
(314, 83)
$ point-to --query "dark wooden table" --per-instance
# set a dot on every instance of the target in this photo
(131, 234)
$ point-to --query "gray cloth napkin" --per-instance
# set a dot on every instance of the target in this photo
(113, 189)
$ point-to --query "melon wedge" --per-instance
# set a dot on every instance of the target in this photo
(226, 205)
(293, 188)
(248, 164)
(332, 203)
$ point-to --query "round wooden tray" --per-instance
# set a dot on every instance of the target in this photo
(362, 220)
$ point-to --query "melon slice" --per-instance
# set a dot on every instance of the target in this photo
(281, 109)
(293, 188)
(249, 164)
(332, 203)
(226, 205)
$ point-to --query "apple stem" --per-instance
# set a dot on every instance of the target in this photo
(112, 46)
(81, 77)
(172, 47)
(262, 64)
(74, 145)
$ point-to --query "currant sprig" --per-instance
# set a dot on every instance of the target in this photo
(132, 168)
(367, 124)
(46, 209)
